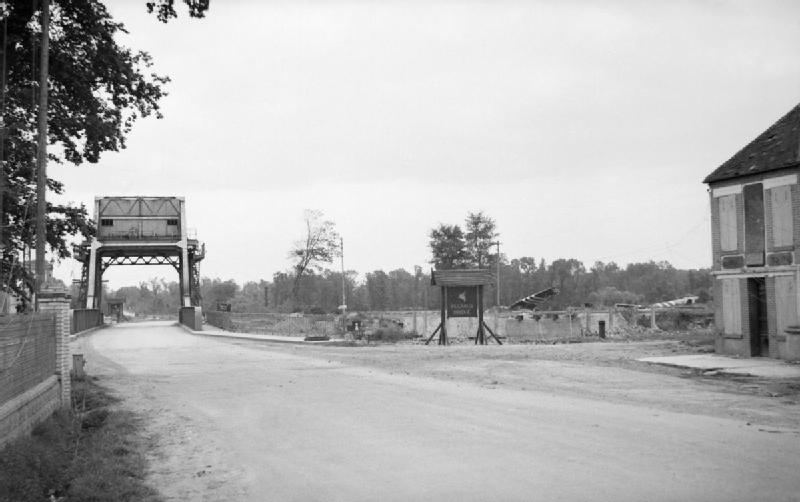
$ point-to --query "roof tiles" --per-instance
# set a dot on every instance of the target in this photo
(776, 148)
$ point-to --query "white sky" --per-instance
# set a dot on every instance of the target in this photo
(584, 128)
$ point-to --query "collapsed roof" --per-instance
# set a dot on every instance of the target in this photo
(534, 300)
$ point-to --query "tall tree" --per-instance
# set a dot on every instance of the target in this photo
(320, 245)
(98, 89)
(448, 249)
(479, 237)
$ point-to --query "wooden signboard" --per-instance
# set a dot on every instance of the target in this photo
(462, 301)
(462, 296)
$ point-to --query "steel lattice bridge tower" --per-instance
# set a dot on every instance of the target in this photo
(140, 231)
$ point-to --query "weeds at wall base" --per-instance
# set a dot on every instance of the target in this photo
(92, 452)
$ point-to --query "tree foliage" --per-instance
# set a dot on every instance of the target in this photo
(479, 237)
(448, 248)
(165, 9)
(452, 248)
(604, 285)
(97, 90)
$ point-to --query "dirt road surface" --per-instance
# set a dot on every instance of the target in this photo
(251, 421)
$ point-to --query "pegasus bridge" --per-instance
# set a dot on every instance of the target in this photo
(136, 230)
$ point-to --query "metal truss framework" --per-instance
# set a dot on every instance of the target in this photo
(196, 253)
(107, 261)
(136, 230)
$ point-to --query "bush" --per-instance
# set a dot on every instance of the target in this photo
(388, 335)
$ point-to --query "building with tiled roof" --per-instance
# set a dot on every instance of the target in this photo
(755, 231)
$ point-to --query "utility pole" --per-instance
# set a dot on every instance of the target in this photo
(41, 165)
(417, 272)
(497, 288)
(344, 291)
(498, 274)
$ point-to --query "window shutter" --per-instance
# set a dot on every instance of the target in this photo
(785, 303)
(727, 223)
(731, 307)
(782, 231)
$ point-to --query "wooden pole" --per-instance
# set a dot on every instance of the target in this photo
(493, 334)
(425, 312)
(344, 290)
(41, 168)
(481, 337)
(443, 332)
(433, 334)
(497, 306)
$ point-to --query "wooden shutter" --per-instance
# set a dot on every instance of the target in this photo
(785, 303)
(727, 223)
(754, 238)
(731, 307)
(782, 223)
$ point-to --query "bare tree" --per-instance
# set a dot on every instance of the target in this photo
(321, 245)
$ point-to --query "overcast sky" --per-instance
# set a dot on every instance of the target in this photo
(583, 128)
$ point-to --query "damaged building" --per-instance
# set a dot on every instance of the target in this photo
(755, 228)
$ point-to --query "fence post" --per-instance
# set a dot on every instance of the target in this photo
(56, 302)
(569, 316)
(653, 318)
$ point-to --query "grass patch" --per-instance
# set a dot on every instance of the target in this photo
(92, 452)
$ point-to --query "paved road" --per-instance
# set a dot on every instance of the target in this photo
(237, 423)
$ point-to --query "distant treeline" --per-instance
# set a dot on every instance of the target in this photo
(603, 284)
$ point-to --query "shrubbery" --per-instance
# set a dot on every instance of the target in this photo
(390, 335)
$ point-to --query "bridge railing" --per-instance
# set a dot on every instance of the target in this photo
(83, 319)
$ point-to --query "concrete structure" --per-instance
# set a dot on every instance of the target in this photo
(141, 231)
(755, 229)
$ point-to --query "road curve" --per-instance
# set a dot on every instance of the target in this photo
(234, 423)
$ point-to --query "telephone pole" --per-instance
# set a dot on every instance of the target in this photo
(497, 288)
(344, 291)
(41, 164)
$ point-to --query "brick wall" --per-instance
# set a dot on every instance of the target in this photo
(21, 414)
(742, 346)
(56, 303)
(740, 237)
(34, 365)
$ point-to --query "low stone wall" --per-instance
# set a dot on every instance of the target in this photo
(20, 415)
(514, 326)
(34, 365)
